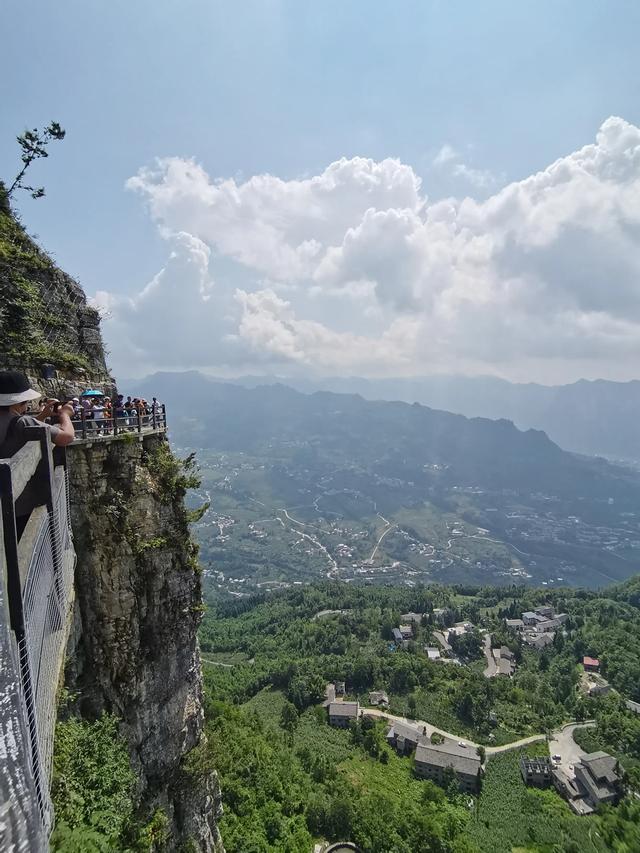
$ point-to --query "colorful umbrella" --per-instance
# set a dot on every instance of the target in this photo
(92, 393)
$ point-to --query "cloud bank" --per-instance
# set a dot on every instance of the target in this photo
(354, 270)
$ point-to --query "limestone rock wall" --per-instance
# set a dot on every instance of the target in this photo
(44, 315)
(135, 650)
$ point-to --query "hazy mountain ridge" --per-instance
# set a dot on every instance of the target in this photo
(401, 437)
(594, 417)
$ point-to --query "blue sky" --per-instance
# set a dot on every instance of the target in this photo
(286, 88)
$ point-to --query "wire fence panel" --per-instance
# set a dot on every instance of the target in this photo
(47, 599)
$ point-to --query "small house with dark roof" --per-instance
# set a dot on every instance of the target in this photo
(546, 611)
(433, 760)
(378, 697)
(342, 713)
(404, 737)
(529, 617)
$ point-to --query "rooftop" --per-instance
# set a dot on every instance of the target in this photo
(407, 731)
(411, 616)
(343, 709)
(601, 765)
(449, 754)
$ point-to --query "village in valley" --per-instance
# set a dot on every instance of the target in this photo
(274, 523)
(585, 780)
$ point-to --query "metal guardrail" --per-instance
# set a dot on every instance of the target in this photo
(150, 419)
(36, 585)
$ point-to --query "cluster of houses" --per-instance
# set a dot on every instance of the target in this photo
(433, 761)
(592, 780)
(538, 627)
(596, 779)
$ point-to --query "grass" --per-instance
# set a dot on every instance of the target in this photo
(267, 704)
(395, 778)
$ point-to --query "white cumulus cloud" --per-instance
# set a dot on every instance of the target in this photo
(355, 270)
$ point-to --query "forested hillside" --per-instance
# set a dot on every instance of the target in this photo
(288, 777)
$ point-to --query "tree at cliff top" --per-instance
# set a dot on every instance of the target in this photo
(44, 316)
(33, 144)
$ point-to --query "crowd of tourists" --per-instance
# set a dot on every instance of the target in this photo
(101, 415)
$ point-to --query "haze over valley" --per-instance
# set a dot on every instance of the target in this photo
(303, 487)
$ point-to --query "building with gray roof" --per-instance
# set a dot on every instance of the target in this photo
(405, 737)
(432, 761)
(341, 713)
(411, 616)
(598, 774)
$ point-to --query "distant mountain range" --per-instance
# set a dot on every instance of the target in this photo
(400, 438)
(591, 417)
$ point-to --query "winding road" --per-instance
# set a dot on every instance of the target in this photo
(312, 539)
(562, 743)
(560, 738)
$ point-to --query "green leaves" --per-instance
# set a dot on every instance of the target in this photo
(33, 145)
(93, 785)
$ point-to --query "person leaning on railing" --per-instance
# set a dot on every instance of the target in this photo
(15, 395)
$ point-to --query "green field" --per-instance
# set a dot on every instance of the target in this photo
(510, 816)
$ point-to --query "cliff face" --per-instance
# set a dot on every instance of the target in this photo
(134, 649)
(44, 316)
(138, 597)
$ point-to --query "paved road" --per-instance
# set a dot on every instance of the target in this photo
(489, 750)
(312, 539)
(562, 743)
(384, 533)
(491, 668)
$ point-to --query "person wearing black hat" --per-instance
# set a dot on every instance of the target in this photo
(15, 394)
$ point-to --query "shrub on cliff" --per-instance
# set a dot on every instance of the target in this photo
(93, 784)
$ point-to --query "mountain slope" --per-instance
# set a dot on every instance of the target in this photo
(399, 438)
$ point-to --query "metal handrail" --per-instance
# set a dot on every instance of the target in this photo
(148, 419)
(36, 581)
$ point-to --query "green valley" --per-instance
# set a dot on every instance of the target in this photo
(290, 779)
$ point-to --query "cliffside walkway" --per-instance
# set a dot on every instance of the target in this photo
(37, 564)
(90, 428)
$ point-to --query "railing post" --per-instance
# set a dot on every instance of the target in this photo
(46, 475)
(14, 587)
(84, 422)
(139, 419)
